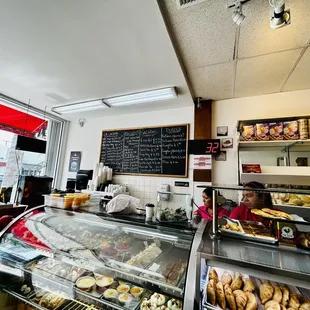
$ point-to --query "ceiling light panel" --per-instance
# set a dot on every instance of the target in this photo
(80, 107)
(143, 97)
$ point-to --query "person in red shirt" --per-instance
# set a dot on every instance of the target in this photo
(252, 200)
(206, 211)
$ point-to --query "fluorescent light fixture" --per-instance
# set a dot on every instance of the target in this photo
(80, 107)
(143, 97)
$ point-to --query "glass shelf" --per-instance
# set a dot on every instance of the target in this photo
(266, 190)
(288, 262)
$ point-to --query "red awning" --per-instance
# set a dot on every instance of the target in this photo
(19, 122)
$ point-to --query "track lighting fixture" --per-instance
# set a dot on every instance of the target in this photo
(279, 17)
(237, 16)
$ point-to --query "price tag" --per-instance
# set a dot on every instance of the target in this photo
(11, 270)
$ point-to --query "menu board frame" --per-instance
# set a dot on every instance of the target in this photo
(185, 175)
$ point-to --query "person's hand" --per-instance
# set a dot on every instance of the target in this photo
(197, 217)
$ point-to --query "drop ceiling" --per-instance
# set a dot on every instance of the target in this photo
(224, 61)
(58, 52)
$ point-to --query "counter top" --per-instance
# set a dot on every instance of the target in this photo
(139, 220)
(278, 260)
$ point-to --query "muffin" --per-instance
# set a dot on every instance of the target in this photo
(125, 298)
(110, 294)
(136, 291)
(123, 288)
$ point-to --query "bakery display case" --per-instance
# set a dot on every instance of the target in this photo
(59, 259)
(262, 264)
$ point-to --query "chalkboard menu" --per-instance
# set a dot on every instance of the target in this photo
(151, 150)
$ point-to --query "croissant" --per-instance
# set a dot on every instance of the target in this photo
(277, 295)
(266, 292)
(282, 307)
(237, 283)
(226, 278)
(248, 286)
(252, 302)
(213, 275)
(272, 305)
(211, 292)
(241, 299)
(220, 295)
(230, 297)
(285, 296)
(305, 306)
(294, 301)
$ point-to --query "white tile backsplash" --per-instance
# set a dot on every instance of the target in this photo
(145, 188)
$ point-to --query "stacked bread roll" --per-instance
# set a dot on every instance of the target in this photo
(231, 291)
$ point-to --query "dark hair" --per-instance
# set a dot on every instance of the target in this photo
(266, 197)
(208, 191)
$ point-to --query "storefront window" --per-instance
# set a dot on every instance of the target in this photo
(15, 161)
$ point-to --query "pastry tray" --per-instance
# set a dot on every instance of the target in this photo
(157, 267)
(242, 235)
(99, 300)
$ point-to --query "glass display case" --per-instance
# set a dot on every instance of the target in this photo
(262, 263)
(59, 259)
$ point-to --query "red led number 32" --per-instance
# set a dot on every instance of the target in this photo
(212, 147)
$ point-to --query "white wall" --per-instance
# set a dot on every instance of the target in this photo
(228, 112)
(87, 139)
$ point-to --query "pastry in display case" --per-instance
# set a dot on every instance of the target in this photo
(61, 259)
(251, 265)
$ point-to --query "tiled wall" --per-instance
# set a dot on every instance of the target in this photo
(145, 188)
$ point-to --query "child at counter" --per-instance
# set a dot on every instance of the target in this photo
(252, 200)
(206, 211)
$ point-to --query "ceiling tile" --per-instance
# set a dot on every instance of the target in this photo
(264, 74)
(205, 32)
(256, 36)
(300, 78)
(213, 82)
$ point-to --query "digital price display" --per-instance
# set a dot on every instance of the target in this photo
(213, 147)
(205, 146)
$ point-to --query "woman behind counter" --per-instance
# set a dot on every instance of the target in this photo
(252, 200)
(206, 211)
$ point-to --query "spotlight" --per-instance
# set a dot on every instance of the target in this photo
(279, 16)
(238, 17)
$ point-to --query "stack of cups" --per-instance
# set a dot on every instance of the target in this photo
(303, 128)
